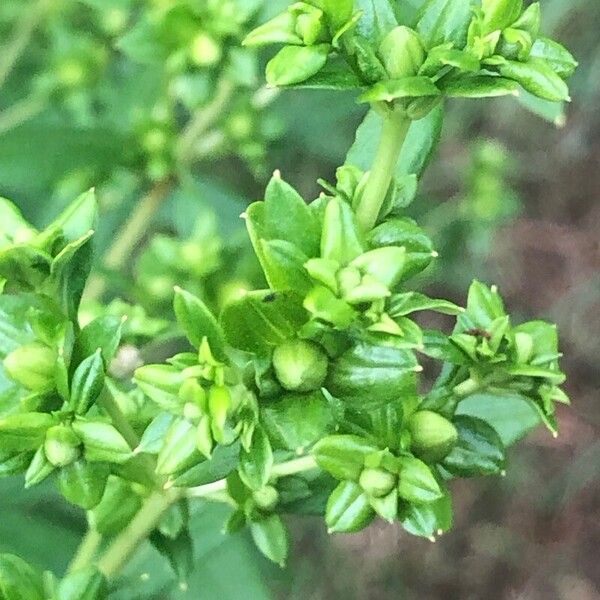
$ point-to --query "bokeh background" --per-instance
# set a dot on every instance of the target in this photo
(155, 105)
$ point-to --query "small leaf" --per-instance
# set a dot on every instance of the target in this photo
(87, 383)
(104, 333)
(255, 465)
(271, 538)
(479, 86)
(478, 450)
(295, 64)
(102, 442)
(83, 483)
(417, 483)
(343, 456)
(407, 303)
(18, 580)
(538, 78)
(198, 322)
(178, 551)
(348, 509)
(24, 431)
(556, 56)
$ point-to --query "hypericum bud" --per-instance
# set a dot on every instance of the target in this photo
(515, 44)
(402, 52)
(32, 365)
(266, 498)
(377, 482)
(523, 347)
(205, 51)
(310, 26)
(300, 365)
(385, 264)
(432, 436)
(62, 446)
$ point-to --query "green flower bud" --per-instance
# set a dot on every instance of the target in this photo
(402, 52)
(377, 482)
(515, 44)
(32, 365)
(205, 51)
(266, 498)
(310, 25)
(300, 365)
(62, 446)
(433, 436)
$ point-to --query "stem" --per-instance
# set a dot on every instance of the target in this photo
(86, 551)
(202, 120)
(128, 541)
(107, 402)
(14, 48)
(297, 465)
(131, 233)
(19, 113)
(395, 128)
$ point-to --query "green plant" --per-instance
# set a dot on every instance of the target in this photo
(304, 397)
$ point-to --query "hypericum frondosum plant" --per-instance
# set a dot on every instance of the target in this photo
(304, 397)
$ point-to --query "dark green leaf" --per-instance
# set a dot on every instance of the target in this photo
(255, 465)
(271, 538)
(87, 384)
(343, 455)
(348, 509)
(83, 483)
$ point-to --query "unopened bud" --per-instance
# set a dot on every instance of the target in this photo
(300, 365)
(433, 436)
(32, 365)
(377, 482)
(62, 446)
(402, 52)
(266, 498)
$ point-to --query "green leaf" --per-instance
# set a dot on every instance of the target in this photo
(86, 584)
(287, 217)
(118, 506)
(511, 415)
(295, 64)
(198, 322)
(256, 464)
(343, 456)
(417, 483)
(368, 375)
(444, 21)
(335, 75)
(283, 266)
(223, 461)
(538, 78)
(18, 580)
(348, 509)
(556, 56)
(377, 19)
(498, 14)
(83, 483)
(478, 451)
(427, 520)
(271, 538)
(102, 442)
(341, 237)
(78, 219)
(479, 86)
(178, 551)
(179, 450)
(423, 136)
(392, 89)
(446, 56)
(104, 333)
(24, 267)
(24, 431)
(484, 306)
(407, 303)
(87, 383)
(261, 320)
(297, 421)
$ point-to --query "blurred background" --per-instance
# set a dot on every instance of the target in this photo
(156, 105)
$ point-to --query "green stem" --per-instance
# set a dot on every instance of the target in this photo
(215, 489)
(131, 233)
(86, 551)
(107, 402)
(23, 30)
(22, 111)
(129, 540)
(395, 128)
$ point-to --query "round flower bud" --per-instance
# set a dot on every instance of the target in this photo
(432, 435)
(377, 482)
(32, 365)
(300, 365)
(402, 52)
(205, 50)
(62, 446)
(266, 498)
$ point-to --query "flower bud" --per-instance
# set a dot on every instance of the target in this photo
(433, 436)
(402, 52)
(266, 498)
(300, 365)
(32, 365)
(62, 446)
(377, 482)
